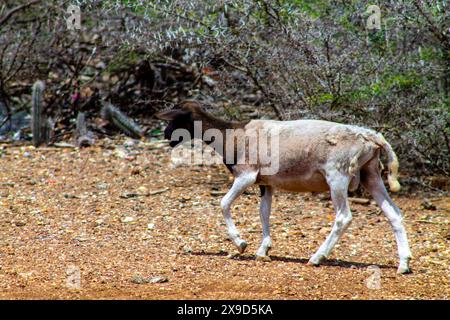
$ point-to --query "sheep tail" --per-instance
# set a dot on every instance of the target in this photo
(393, 164)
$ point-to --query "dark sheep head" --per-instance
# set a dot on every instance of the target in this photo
(181, 116)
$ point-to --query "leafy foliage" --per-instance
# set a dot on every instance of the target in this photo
(301, 58)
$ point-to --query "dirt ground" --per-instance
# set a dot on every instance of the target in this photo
(132, 227)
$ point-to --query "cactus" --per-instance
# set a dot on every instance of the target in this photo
(38, 121)
(127, 125)
(81, 128)
(82, 135)
(48, 130)
(41, 126)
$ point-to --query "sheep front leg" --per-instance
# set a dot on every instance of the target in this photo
(265, 207)
(339, 189)
(240, 183)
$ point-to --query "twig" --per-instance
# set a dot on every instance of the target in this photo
(5, 120)
(11, 12)
(432, 222)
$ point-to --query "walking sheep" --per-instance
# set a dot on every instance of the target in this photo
(310, 156)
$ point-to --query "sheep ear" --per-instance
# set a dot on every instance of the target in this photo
(170, 114)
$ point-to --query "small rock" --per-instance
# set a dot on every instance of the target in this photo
(20, 223)
(263, 258)
(143, 190)
(100, 65)
(217, 193)
(139, 280)
(150, 226)
(427, 205)
(158, 191)
(127, 219)
(187, 249)
(120, 153)
(128, 195)
(146, 236)
(184, 199)
(101, 186)
(135, 171)
(158, 280)
(71, 196)
(63, 145)
(129, 143)
(81, 238)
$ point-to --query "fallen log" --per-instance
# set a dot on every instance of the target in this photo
(121, 121)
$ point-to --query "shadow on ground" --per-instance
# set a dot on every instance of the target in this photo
(328, 262)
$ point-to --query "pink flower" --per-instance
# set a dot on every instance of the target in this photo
(75, 97)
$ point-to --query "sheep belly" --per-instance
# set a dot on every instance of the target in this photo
(314, 182)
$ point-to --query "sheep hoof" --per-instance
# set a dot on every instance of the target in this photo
(263, 258)
(242, 246)
(403, 267)
(403, 270)
(315, 261)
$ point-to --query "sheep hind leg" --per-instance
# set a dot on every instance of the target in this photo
(371, 180)
(240, 183)
(339, 188)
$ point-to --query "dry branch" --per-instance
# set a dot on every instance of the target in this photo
(14, 10)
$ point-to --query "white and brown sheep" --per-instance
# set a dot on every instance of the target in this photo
(312, 156)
